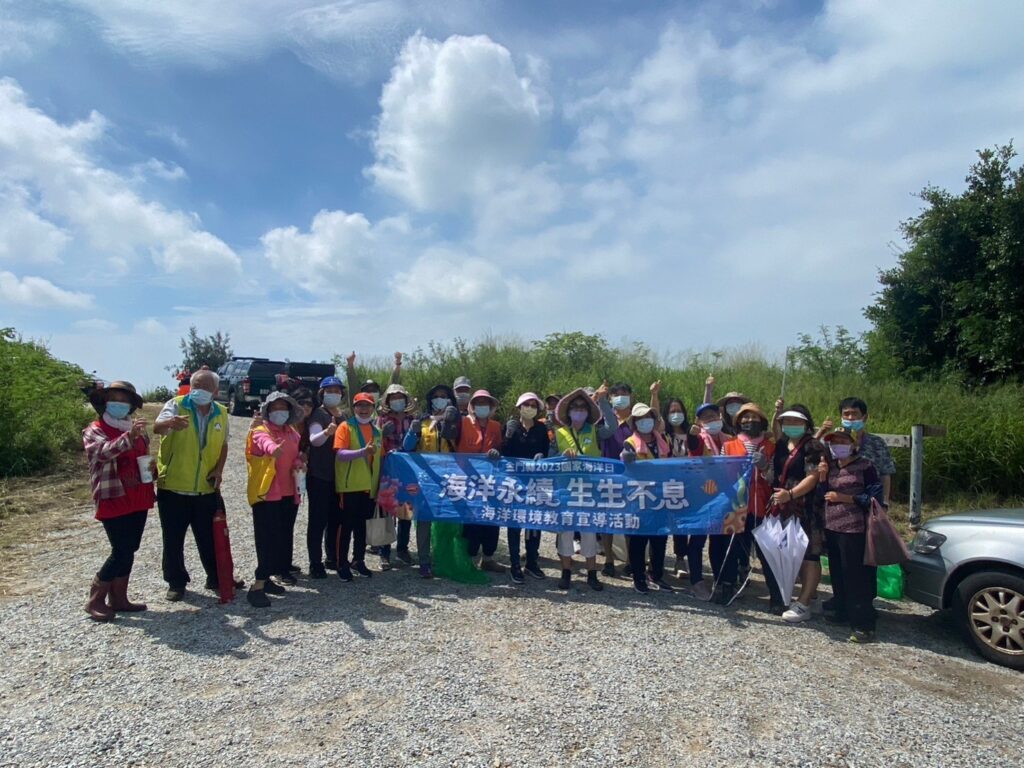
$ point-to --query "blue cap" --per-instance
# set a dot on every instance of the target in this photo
(331, 381)
(706, 407)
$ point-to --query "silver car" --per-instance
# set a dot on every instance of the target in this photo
(973, 562)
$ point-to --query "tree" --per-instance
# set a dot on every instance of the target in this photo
(831, 355)
(955, 301)
(197, 351)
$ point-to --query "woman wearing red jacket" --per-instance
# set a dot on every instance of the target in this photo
(113, 444)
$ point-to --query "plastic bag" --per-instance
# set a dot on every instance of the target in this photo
(890, 582)
(826, 574)
(451, 560)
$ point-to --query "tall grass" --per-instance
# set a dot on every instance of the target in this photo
(983, 453)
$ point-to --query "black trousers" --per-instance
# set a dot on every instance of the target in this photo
(178, 513)
(356, 509)
(324, 518)
(125, 536)
(481, 537)
(853, 583)
(637, 546)
(289, 513)
(267, 524)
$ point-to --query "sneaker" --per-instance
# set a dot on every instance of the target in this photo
(663, 585)
(344, 573)
(273, 588)
(862, 636)
(515, 575)
(627, 571)
(797, 612)
(566, 579)
(593, 582)
(776, 609)
(641, 586)
(293, 568)
(701, 591)
(724, 594)
(385, 564)
(317, 571)
(535, 571)
(652, 585)
(575, 547)
(404, 557)
(426, 572)
(287, 579)
(174, 594)
(373, 550)
(258, 598)
(359, 567)
(681, 568)
(608, 570)
(330, 565)
(492, 565)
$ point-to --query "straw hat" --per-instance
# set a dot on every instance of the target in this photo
(562, 409)
(98, 397)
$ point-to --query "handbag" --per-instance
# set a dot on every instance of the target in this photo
(261, 471)
(380, 529)
(883, 544)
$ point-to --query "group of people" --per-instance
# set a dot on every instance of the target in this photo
(329, 446)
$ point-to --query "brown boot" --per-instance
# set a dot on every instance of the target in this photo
(119, 597)
(97, 606)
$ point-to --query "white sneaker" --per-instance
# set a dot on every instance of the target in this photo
(797, 612)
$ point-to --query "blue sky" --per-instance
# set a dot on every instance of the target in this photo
(325, 176)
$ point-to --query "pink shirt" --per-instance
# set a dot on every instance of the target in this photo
(265, 443)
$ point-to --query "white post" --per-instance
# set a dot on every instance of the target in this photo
(916, 472)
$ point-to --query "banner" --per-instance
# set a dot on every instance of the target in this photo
(670, 496)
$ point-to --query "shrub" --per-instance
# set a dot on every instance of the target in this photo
(160, 394)
(43, 409)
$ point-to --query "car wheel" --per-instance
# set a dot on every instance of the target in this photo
(233, 406)
(989, 608)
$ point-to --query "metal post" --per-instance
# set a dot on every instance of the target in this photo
(916, 472)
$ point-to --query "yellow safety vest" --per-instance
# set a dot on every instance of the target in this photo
(181, 465)
(585, 443)
(359, 474)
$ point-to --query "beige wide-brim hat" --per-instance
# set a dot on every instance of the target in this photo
(562, 409)
(642, 409)
(295, 413)
(98, 397)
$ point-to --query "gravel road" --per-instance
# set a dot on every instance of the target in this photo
(398, 671)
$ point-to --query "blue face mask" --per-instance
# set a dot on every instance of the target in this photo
(440, 403)
(118, 410)
(620, 401)
(645, 426)
(201, 396)
(855, 424)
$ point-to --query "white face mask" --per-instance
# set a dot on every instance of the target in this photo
(528, 412)
(332, 399)
(645, 426)
(364, 419)
(280, 418)
(440, 403)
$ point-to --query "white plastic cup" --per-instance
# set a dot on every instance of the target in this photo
(300, 480)
(144, 472)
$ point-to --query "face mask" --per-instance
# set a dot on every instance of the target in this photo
(620, 401)
(439, 403)
(364, 419)
(528, 412)
(201, 396)
(645, 426)
(397, 405)
(855, 424)
(675, 419)
(462, 399)
(332, 399)
(841, 451)
(280, 418)
(578, 417)
(794, 432)
(713, 427)
(118, 411)
(756, 429)
(482, 411)
(733, 408)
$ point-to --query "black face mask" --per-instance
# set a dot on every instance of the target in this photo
(753, 430)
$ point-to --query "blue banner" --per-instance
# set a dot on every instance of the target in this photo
(670, 496)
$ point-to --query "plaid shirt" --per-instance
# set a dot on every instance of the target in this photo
(102, 452)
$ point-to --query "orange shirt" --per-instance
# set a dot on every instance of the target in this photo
(342, 438)
(473, 439)
(761, 489)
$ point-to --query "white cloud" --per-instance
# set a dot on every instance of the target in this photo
(341, 253)
(456, 118)
(158, 169)
(95, 325)
(40, 293)
(24, 235)
(444, 277)
(150, 326)
(55, 163)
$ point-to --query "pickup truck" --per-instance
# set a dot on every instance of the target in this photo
(246, 381)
